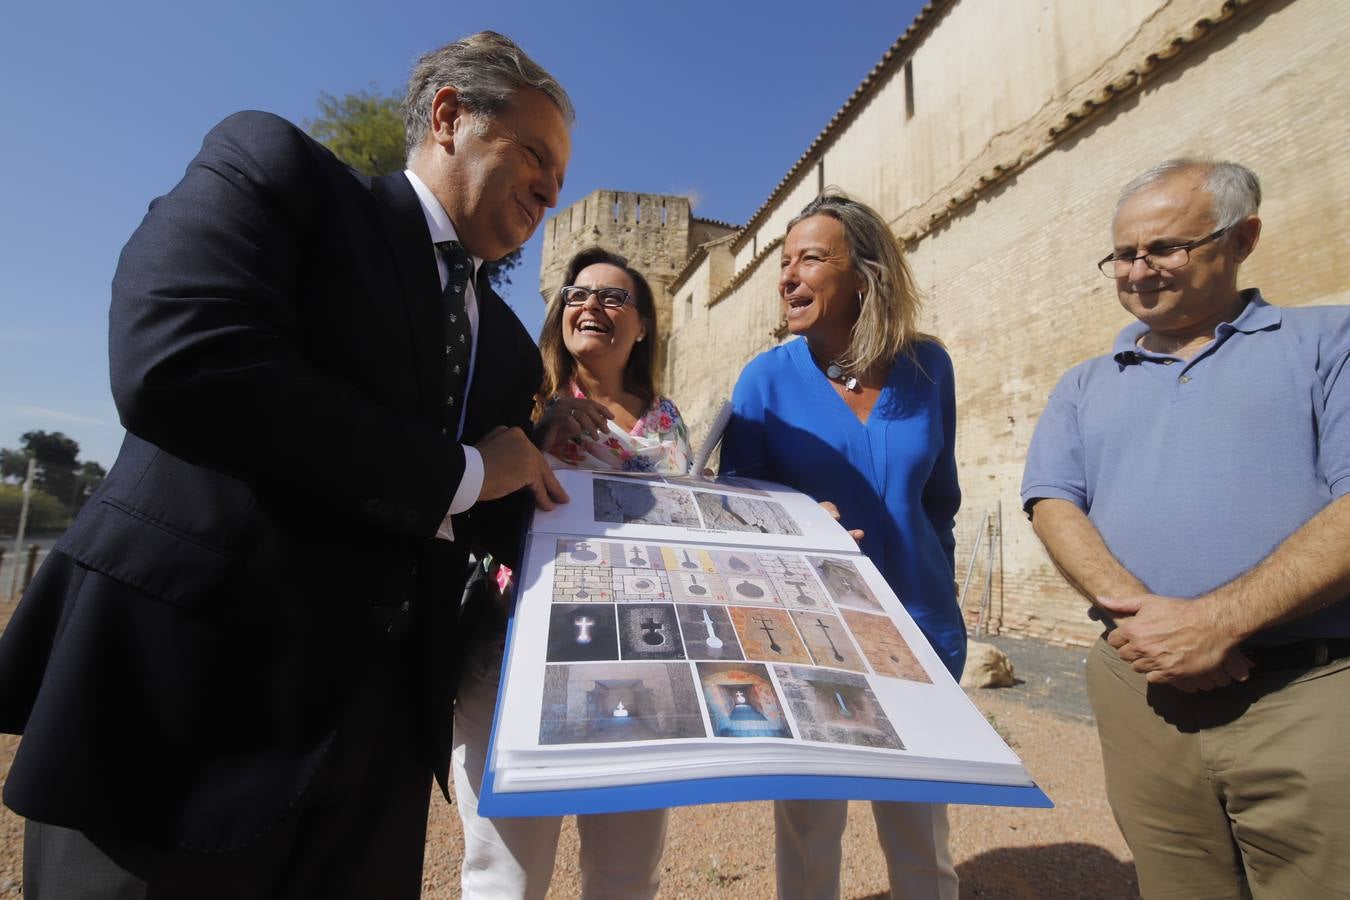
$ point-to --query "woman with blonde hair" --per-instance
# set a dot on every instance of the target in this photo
(860, 410)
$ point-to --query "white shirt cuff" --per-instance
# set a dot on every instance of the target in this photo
(466, 495)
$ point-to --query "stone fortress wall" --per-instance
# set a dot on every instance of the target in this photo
(994, 136)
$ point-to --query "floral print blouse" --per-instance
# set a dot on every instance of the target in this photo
(658, 442)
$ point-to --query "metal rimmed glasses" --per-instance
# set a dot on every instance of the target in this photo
(1161, 259)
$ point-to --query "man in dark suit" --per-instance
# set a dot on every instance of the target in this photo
(234, 675)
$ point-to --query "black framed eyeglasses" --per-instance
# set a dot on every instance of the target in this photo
(1163, 259)
(609, 297)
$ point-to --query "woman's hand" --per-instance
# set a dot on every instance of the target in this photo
(568, 417)
(855, 533)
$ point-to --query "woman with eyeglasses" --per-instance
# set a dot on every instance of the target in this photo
(598, 408)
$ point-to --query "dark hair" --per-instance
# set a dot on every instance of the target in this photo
(639, 376)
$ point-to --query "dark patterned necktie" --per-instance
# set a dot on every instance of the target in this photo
(458, 338)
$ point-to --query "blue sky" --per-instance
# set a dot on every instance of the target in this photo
(104, 104)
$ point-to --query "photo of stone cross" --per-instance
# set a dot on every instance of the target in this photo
(652, 633)
(828, 640)
(649, 631)
(582, 631)
(707, 632)
(768, 634)
(584, 624)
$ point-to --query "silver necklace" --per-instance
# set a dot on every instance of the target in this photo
(835, 372)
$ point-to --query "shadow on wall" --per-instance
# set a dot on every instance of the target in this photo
(1053, 872)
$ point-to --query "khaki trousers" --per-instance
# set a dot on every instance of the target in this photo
(808, 848)
(1239, 792)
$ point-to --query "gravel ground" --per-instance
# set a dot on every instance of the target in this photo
(1072, 851)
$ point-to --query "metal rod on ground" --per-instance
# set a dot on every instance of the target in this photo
(970, 567)
(987, 595)
(999, 518)
(23, 526)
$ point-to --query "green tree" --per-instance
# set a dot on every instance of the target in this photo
(59, 472)
(13, 464)
(45, 512)
(56, 457)
(365, 131)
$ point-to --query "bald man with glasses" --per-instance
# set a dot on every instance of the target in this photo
(1192, 484)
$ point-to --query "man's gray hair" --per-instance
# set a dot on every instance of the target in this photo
(1234, 189)
(486, 69)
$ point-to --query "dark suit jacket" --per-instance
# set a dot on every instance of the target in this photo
(179, 665)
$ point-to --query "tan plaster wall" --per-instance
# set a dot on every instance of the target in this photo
(691, 297)
(707, 353)
(987, 70)
(693, 293)
(801, 192)
(1009, 276)
(1011, 284)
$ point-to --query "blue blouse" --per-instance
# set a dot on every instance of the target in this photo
(893, 476)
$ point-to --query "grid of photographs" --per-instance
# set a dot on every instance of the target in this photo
(652, 641)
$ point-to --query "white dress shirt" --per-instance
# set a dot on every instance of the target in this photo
(438, 223)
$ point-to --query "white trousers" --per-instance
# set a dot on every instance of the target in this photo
(808, 837)
(513, 857)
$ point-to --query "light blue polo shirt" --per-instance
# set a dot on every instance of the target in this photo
(1194, 471)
